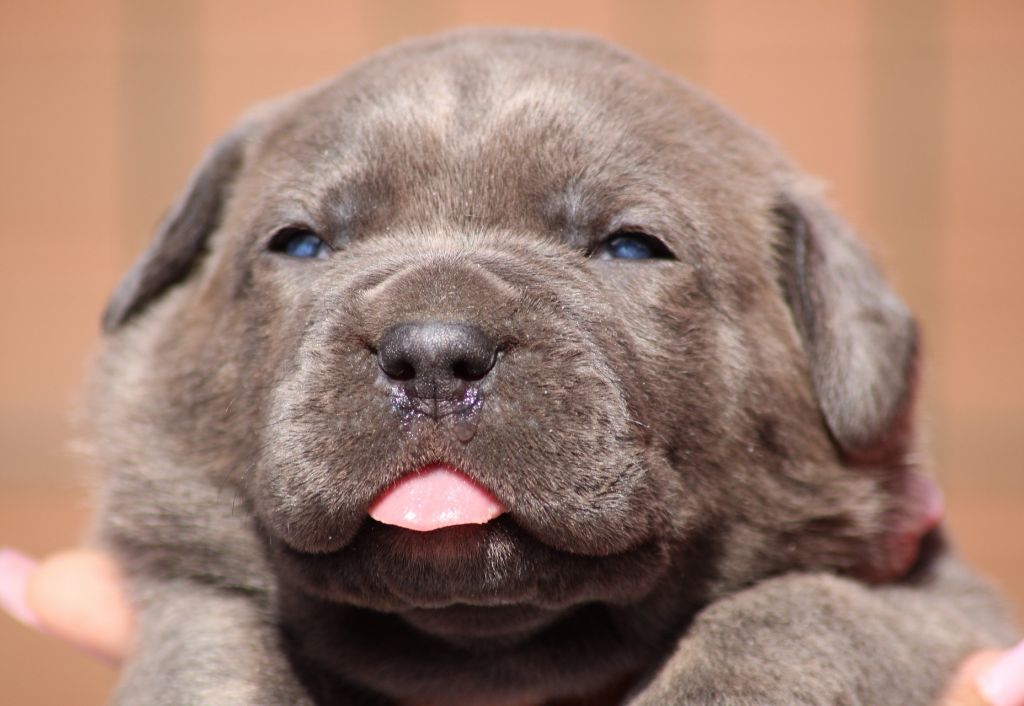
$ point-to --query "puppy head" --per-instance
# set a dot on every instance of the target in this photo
(678, 368)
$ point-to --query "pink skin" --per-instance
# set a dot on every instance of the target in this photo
(1003, 683)
(75, 596)
(15, 570)
(433, 497)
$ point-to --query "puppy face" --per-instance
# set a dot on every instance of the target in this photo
(678, 372)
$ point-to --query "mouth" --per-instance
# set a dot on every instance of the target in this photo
(391, 569)
(435, 497)
(437, 537)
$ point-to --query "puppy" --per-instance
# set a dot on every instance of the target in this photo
(506, 369)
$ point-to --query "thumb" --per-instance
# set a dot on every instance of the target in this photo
(74, 595)
(989, 678)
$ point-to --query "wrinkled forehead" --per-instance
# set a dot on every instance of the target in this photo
(557, 136)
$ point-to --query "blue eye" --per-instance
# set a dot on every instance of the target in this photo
(633, 246)
(298, 242)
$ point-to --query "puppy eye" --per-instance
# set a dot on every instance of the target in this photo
(298, 242)
(629, 245)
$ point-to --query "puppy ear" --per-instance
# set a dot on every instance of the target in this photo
(181, 237)
(860, 339)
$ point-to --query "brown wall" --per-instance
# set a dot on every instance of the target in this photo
(912, 111)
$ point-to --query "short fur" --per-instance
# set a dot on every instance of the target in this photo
(707, 460)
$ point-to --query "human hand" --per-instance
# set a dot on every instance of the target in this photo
(989, 678)
(77, 597)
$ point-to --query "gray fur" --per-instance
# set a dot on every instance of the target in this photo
(707, 460)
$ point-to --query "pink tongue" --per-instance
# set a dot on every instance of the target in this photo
(434, 497)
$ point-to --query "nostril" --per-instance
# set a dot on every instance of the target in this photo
(394, 357)
(473, 369)
(397, 369)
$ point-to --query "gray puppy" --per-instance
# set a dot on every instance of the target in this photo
(669, 395)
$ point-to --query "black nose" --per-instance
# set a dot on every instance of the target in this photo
(436, 360)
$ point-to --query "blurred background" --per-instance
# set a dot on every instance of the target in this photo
(911, 111)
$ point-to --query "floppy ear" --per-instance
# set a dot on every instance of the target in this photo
(181, 237)
(860, 339)
(861, 344)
